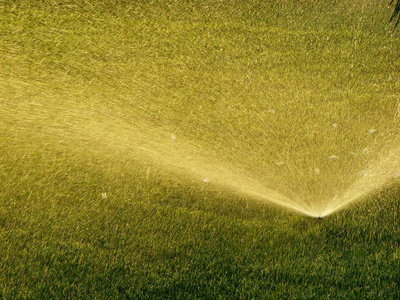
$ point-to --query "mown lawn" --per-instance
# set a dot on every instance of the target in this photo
(113, 114)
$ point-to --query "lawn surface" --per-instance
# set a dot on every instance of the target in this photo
(113, 114)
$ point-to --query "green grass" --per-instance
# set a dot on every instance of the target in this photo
(90, 95)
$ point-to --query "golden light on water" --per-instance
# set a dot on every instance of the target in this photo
(286, 117)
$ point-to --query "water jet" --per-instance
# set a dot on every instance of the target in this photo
(312, 141)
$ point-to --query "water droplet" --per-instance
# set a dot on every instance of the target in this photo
(36, 104)
(366, 173)
(206, 180)
(173, 137)
(104, 196)
(335, 125)
(333, 157)
(372, 131)
(272, 111)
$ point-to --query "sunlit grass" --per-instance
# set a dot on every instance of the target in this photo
(142, 147)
